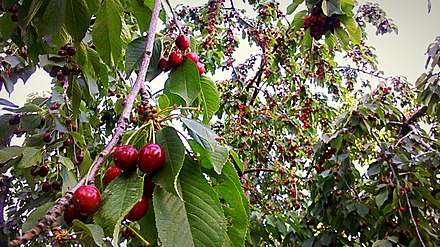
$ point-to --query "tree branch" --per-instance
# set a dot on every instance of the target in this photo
(258, 170)
(51, 217)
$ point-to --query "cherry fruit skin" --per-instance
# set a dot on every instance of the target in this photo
(72, 213)
(164, 64)
(148, 186)
(47, 138)
(125, 157)
(151, 158)
(46, 186)
(175, 58)
(139, 210)
(200, 67)
(111, 173)
(192, 56)
(87, 199)
(183, 42)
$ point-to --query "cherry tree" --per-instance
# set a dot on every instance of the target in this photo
(305, 142)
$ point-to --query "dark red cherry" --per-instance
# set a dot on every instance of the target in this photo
(164, 65)
(111, 173)
(193, 56)
(148, 186)
(71, 213)
(87, 199)
(183, 42)
(125, 157)
(200, 67)
(151, 158)
(139, 210)
(175, 58)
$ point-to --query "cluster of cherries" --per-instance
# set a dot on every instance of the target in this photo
(14, 11)
(61, 72)
(176, 57)
(87, 198)
(319, 23)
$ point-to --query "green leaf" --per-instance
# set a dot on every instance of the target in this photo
(31, 156)
(343, 37)
(66, 162)
(352, 27)
(210, 159)
(106, 32)
(135, 52)
(210, 98)
(298, 20)
(235, 205)
(170, 141)
(197, 220)
(201, 133)
(77, 19)
(141, 12)
(330, 7)
(362, 210)
(30, 122)
(381, 197)
(53, 18)
(118, 198)
(92, 230)
(78, 138)
(184, 81)
(69, 179)
(382, 243)
(292, 7)
(164, 102)
(237, 160)
(37, 214)
(148, 225)
(8, 153)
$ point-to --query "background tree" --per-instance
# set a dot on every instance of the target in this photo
(303, 151)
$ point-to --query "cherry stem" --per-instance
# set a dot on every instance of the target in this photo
(146, 243)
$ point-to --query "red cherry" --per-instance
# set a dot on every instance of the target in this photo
(164, 64)
(111, 173)
(87, 199)
(175, 58)
(65, 70)
(307, 21)
(47, 138)
(68, 121)
(43, 171)
(56, 185)
(46, 186)
(193, 56)
(139, 210)
(62, 52)
(71, 50)
(72, 213)
(80, 157)
(14, 17)
(183, 42)
(125, 157)
(402, 209)
(151, 158)
(148, 186)
(67, 142)
(18, 131)
(74, 127)
(76, 70)
(200, 67)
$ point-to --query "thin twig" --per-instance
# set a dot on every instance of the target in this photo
(51, 217)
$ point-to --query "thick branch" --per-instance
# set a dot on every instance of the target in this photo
(51, 217)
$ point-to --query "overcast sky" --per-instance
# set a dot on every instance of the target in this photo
(401, 54)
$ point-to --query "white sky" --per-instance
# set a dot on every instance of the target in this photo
(401, 54)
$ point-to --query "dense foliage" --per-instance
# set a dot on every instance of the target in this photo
(306, 143)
